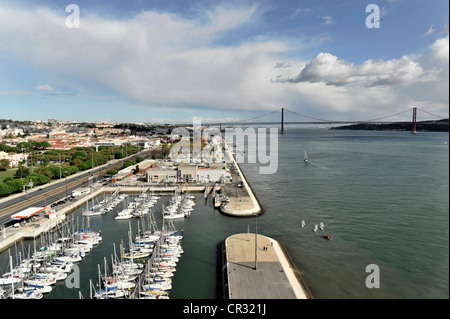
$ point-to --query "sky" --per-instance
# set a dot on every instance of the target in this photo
(174, 61)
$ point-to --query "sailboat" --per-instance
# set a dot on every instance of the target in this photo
(305, 157)
(91, 211)
(303, 223)
(321, 225)
(315, 228)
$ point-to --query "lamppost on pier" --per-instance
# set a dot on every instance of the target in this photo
(256, 240)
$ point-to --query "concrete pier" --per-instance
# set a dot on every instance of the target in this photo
(245, 205)
(274, 277)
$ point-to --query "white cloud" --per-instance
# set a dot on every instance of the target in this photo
(165, 60)
(45, 87)
(372, 89)
(328, 19)
(303, 11)
(430, 31)
(444, 30)
(330, 70)
(155, 58)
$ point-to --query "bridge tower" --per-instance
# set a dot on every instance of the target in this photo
(282, 120)
(414, 131)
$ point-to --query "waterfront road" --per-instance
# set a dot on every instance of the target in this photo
(44, 195)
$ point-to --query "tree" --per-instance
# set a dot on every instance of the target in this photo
(5, 189)
(4, 164)
(26, 146)
(112, 172)
(16, 185)
(79, 155)
(22, 171)
(40, 145)
(118, 155)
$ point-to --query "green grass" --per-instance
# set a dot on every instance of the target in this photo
(8, 173)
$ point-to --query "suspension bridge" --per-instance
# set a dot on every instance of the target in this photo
(309, 120)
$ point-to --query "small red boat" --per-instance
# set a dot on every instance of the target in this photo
(327, 237)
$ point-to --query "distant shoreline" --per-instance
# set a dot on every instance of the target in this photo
(427, 126)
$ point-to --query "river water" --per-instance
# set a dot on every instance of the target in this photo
(382, 195)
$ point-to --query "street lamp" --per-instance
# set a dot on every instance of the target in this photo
(65, 177)
(256, 240)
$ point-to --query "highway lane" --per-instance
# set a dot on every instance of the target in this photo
(48, 193)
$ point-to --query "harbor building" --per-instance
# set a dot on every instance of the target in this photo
(216, 173)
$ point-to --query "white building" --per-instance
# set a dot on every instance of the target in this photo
(14, 158)
(190, 173)
(81, 191)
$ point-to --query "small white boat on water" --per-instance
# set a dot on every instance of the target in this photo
(316, 228)
(52, 277)
(110, 293)
(26, 295)
(41, 281)
(125, 214)
(303, 223)
(153, 294)
(168, 214)
(157, 286)
(161, 274)
(35, 288)
(321, 225)
(8, 280)
(57, 267)
(305, 157)
(92, 212)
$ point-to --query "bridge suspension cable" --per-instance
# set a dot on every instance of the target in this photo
(374, 120)
(256, 117)
(309, 117)
(432, 114)
(362, 121)
(385, 117)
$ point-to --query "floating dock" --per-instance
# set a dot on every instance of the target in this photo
(275, 277)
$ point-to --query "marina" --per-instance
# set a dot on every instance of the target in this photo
(330, 192)
(33, 276)
(159, 248)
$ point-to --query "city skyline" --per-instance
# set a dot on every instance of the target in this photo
(168, 62)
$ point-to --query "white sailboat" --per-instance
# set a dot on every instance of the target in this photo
(26, 295)
(305, 157)
(316, 228)
(321, 225)
(35, 288)
(91, 211)
(125, 214)
(303, 223)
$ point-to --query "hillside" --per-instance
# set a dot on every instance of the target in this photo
(428, 126)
